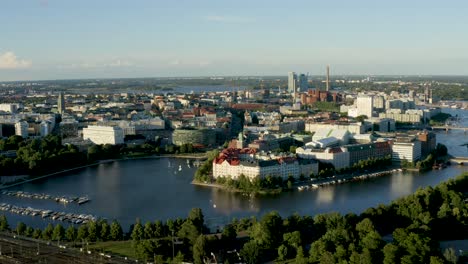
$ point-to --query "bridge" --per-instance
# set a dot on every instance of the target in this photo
(447, 128)
(459, 160)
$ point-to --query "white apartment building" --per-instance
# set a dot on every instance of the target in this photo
(353, 128)
(104, 134)
(409, 150)
(9, 108)
(365, 105)
(21, 129)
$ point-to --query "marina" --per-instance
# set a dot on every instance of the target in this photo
(41, 196)
(56, 216)
(339, 180)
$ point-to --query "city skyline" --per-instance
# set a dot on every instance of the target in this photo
(45, 40)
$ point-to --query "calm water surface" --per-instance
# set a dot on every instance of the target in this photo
(153, 189)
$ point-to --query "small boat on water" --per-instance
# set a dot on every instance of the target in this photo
(180, 167)
(83, 200)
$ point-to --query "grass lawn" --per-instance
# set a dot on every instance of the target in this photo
(122, 248)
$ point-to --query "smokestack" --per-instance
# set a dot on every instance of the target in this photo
(328, 78)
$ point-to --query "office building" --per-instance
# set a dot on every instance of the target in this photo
(328, 78)
(303, 83)
(112, 135)
(61, 103)
(292, 82)
(21, 129)
(406, 148)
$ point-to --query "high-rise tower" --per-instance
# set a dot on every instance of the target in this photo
(292, 82)
(61, 103)
(328, 78)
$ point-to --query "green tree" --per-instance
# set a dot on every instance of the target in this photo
(197, 218)
(20, 228)
(148, 230)
(82, 232)
(200, 250)
(158, 229)
(59, 232)
(282, 252)
(189, 231)
(70, 233)
(251, 252)
(116, 232)
(29, 231)
(4, 223)
(104, 234)
(37, 233)
(93, 231)
(47, 233)
(137, 233)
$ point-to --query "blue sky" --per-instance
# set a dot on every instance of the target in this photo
(62, 39)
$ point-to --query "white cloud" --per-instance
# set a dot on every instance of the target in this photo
(8, 60)
(119, 63)
(93, 65)
(228, 19)
(189, 63)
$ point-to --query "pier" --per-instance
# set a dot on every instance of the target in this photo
(41, 196)
(56, 216)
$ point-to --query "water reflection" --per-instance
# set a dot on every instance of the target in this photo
(227, 203)
(325, 195)
(401, 184)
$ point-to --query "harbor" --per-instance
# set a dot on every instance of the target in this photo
(41, 196)
(344, 179)
(56, 216)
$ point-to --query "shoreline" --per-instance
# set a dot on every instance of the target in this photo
(174, 156)
(304, 185)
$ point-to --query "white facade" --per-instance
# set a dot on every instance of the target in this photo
(44, 129)
(104, 134)
(410, 151)
(353, 128)
(21, 129)
(9, 108)
(365, 105)
(335, 156)
(292, 81)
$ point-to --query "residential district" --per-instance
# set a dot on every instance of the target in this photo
(260, 131)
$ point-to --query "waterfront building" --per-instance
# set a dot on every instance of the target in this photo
(376, 150)
(428, 142)
(248, 162)
(406, 148)
(104, 134)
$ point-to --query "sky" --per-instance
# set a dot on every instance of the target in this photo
(71, 39)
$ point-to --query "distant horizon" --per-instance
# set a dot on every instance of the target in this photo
(243, 76)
